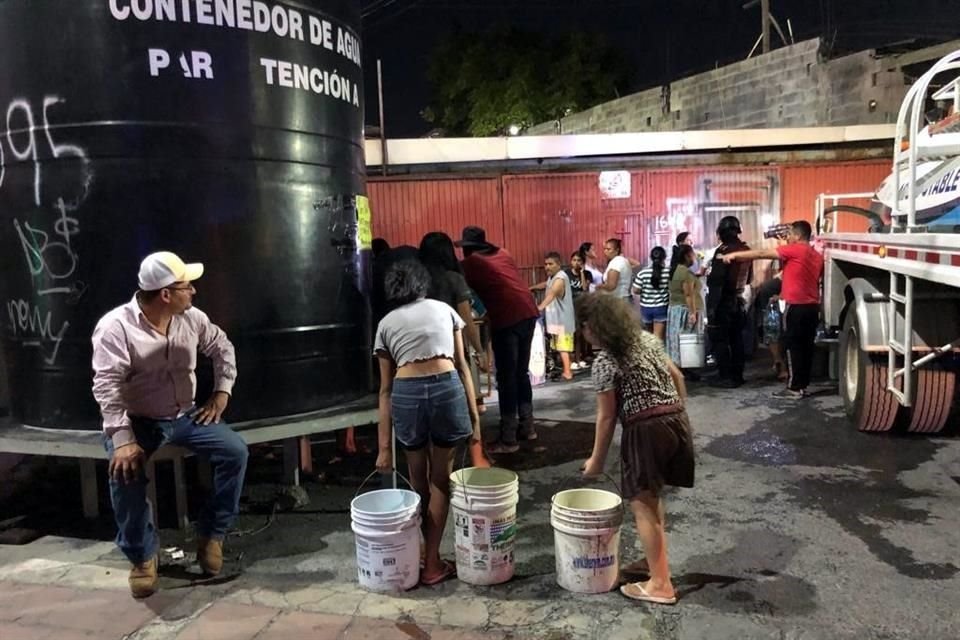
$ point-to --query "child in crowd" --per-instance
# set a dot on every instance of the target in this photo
(652, 285)
(581, 280)
(558, 304)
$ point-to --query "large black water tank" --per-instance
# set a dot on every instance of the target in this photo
(227, 131)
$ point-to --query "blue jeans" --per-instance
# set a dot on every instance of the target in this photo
(227, 452)
(430, 409)
(511, 353)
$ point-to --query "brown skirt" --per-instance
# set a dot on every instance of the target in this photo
(657, 450)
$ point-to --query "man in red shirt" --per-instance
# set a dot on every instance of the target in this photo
(493, 275)
(802, 270)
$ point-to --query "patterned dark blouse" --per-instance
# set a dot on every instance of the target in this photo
(642, 382)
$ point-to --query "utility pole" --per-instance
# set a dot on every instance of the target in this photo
(765, 21)
(384, 159)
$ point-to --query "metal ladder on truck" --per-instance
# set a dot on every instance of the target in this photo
(907, 152)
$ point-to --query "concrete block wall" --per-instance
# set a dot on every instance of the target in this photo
(788, 87)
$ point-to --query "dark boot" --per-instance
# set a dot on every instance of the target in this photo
(507, 442)
(143, 578)
(527, 430)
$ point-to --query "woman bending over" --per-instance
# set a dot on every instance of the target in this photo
(636, 382)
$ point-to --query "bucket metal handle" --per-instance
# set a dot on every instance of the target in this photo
(567, 480)
(375, 472)
(463, 465)
(466, 491)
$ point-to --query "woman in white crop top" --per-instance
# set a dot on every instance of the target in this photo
(427, 399)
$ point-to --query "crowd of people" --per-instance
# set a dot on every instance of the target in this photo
(436, 315)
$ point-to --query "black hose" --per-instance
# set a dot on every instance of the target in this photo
(876, 222)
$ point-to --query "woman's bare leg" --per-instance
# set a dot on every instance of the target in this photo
(660, 330)
(776, 350)
(565, 360)
(441, 466)
(649, 514)
(417, 467)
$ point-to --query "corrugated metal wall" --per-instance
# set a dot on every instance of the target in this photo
(404, 210)
(695, 200)
(533, 214)
(803, 183)
(551, 213)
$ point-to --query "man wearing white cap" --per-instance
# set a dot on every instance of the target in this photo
(144, 357)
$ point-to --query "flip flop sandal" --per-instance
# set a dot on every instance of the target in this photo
(635, 591)
(449, 571)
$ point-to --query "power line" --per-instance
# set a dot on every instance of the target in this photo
(374, 7)
(383, 19)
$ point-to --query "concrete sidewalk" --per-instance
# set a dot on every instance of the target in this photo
(46, 612)
(799, 527)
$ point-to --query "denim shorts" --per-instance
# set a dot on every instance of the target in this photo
(653, 314)
(430, 409)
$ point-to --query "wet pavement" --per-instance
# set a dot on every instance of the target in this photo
(798, 527)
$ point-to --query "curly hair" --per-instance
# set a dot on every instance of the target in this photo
(406, 281)
(612, 322)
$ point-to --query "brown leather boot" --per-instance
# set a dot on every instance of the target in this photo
(210, 555)
(143, 578)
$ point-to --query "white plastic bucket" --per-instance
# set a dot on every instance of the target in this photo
(586, 534)
(693, 352)
(386, 527)
(484, 505)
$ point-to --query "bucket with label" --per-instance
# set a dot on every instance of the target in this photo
(484, 505)
(586, 533)
(386, 527)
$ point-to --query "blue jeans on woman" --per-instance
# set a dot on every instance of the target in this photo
(430, 410)
(227, 452)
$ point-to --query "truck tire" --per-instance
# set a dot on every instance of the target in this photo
(863, 382)
(933, 398)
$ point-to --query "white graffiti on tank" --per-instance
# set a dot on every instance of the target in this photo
(55, 260)
(30, 151)
(47, 244)
(34, 327)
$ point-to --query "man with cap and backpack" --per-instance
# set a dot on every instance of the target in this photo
(492, 273)
(726, 306)
(144, 358)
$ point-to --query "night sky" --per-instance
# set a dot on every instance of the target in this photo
(664, 39)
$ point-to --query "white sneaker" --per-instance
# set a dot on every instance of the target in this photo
(583, 364)
(575, 366)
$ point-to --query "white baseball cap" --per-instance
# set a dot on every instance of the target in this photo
(162, 269)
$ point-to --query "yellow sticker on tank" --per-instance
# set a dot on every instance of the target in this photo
(364, 230)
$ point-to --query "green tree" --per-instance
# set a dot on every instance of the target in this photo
(485, 82)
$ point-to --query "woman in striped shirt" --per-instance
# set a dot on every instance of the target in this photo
(652, 285)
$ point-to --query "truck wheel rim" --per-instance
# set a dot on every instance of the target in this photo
(852, 367)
